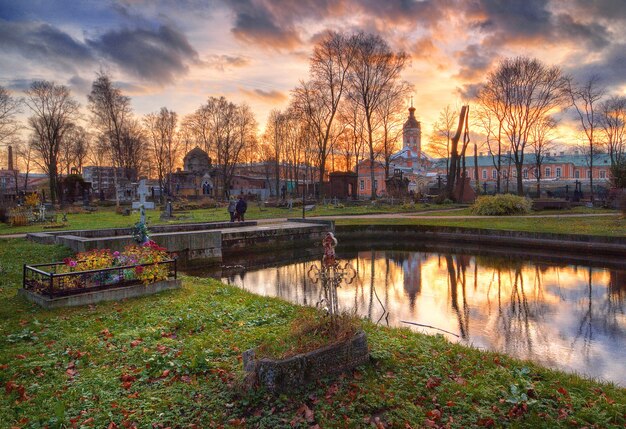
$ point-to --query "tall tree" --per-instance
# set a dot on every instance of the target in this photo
(585, 98)
(320, 97)
(541, 143)
(161, 127)
(111, 113)
(53, 110)
(9, 109)
(523, 91)
(443, 130)
(74, 149)
(613, 123)
(374, 69)
(390, 117)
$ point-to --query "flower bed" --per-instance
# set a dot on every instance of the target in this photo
(100, 269)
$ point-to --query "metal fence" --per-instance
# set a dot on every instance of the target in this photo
(45, 279)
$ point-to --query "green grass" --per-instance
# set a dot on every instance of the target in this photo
(107, 218)
(174, 359)
(600, 225)
(580, 210)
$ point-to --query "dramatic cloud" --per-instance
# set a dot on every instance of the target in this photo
(254, 23)
(155, 55)
(474, 62)
(519, 21)
(224, 62)
(272, 96)
(42, 42)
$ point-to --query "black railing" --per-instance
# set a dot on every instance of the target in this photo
(45, 279)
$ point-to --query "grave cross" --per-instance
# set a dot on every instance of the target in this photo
(142, 191)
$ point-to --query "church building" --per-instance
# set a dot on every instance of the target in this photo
(409, 162)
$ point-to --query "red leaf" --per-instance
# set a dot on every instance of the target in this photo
(434, 414)
(112, 425)
(433, 382)
(562, 391)
(165, 373)
(486, 422)
(429, 423)
(135, 343)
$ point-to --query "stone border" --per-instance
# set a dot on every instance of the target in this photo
(291, 373)
(94, 297)
(590, 244)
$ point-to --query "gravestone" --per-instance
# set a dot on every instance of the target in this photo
(142, 191)
(168, 212)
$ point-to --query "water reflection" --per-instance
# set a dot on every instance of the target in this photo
(569, 317)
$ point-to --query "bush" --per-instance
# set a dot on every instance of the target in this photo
(501, 205)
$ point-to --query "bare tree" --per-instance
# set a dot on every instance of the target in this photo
(443, 130)
(390, 118)
(24, 156)
(374, 69)
(585, 98)
(521, 92)
(9, 109)
(74, 148)
(274, 138)
(161, 128)
(613, 123)
(111, 113)
(53, 111)
(541, 142)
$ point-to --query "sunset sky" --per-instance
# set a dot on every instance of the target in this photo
(177, 53)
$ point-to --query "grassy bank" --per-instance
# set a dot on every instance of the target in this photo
(173, 359)
(593, 225)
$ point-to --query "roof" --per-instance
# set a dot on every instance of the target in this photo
(196, 151)
(529, 159)
(411, 122)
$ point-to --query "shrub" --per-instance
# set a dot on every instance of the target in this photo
(501, 205)
(31, 200)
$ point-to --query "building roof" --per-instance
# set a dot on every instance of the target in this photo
(529, 159)
(411, 122)
(196, 151)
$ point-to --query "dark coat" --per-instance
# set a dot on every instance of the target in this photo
(242, 206)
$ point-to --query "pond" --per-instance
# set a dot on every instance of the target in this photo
(570, 317)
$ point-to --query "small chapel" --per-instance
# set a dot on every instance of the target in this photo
(196, 179)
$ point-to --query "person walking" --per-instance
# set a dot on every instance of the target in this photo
(232, 208)
(241, 208)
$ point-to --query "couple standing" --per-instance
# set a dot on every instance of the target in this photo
(237, 208)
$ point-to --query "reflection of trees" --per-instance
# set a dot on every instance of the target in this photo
(457, 277)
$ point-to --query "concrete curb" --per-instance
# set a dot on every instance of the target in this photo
(116, 294)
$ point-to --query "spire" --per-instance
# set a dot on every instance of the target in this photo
(411, 110)
(10, 166)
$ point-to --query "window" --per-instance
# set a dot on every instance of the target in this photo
(602, 174)
(505, 173)
(588, 174)
(494, 174)
(525, 173)
(515, 172)
(558, 172)
(548, 171)
(577, 174)
(362, 184)
(485, 174)
(375, 184)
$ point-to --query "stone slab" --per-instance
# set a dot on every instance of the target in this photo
(148, 205)
(116, 294)
(294, 372)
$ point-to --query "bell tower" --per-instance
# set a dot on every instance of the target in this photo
(412, 133)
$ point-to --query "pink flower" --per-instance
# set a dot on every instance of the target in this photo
(116, 254)
(73, 263)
